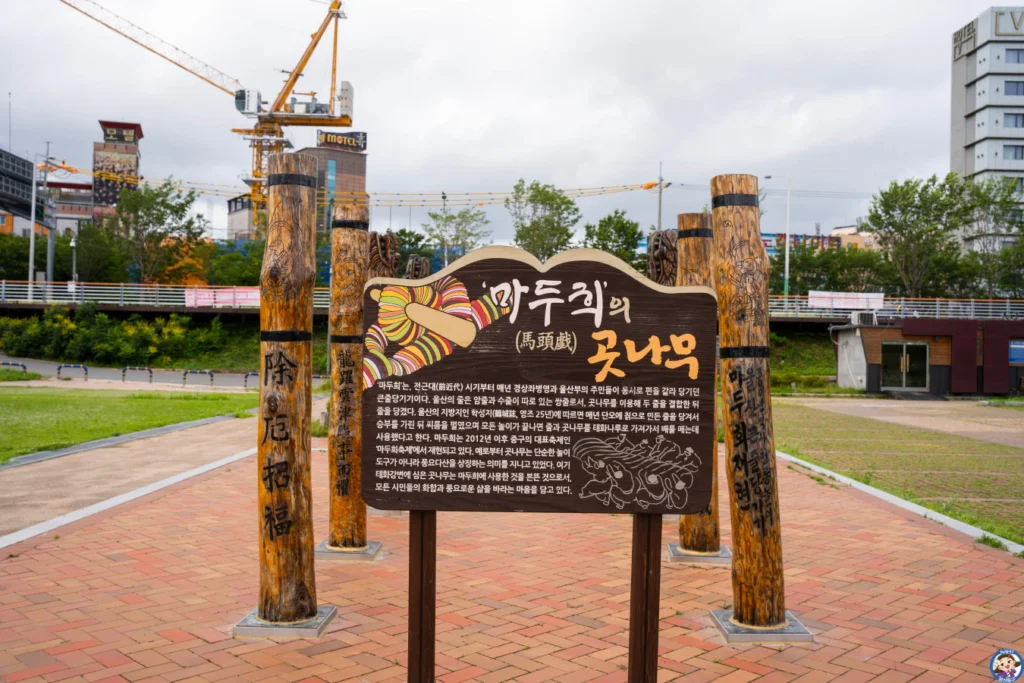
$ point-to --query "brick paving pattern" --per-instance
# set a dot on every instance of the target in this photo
(149, 592)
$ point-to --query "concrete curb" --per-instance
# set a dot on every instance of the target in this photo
(57, 522)
(41, 456)
(973, 532)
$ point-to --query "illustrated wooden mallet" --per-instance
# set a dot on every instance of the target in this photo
(460, 331)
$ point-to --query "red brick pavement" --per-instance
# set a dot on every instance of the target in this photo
(150, 591)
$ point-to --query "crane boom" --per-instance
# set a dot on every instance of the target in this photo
(157, 46)
(293, 77)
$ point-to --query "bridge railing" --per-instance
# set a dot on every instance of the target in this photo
(184, 298)
(901, 307)
(131, 294)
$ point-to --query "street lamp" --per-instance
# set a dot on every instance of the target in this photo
(74, 261)
(789, 194)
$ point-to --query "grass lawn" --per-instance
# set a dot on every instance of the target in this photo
(45, 419)
(14, 375)
(1014, 403)
(976, 482)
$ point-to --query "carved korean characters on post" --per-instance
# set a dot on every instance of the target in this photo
(501, 385)
(278, 373)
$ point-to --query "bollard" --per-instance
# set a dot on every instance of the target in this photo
(184, 375)
(124, 371)
(14, 364)
(77, 366)
(245, 378)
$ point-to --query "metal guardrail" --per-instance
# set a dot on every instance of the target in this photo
(125, 369)
(245, 378)
(77, 366)
(184, 299)
(184, 375)
(13, 364)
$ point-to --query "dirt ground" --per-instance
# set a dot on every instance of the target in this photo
(963, 418)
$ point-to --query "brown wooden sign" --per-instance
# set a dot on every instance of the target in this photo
(501, 384)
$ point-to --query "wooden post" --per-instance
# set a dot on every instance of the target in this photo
(422, 594)
(644, 599)
(417, 267)
(662, 257)
(384, 255)
(741, 280)
(287, 582)
(699, 533)
(350, 263)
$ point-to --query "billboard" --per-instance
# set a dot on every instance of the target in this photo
(112, 171)
(350, 142)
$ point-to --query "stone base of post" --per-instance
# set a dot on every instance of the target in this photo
(722, 558)
(368, 553)
(254, 627)
(790, 632)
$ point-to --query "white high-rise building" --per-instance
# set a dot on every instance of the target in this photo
(987, 126)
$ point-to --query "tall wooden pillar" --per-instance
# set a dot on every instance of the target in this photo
(699, 533)
(741, 280)
(384, 255)
(287, 582)
(350, 263)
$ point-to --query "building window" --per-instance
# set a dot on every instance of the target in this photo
(1013, 120)
(1018, 183)
(1013, 152)
(1015, 87)
(1014, 56)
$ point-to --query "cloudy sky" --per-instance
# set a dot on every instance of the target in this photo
(464, 95)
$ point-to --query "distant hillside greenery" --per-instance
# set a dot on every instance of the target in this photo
(174, 341)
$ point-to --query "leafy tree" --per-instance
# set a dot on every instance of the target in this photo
(915, 222)
(543, 218)
(457, 233)
(831, 270)
(994, 213)
(235, 267)
(160, 231)
(618, 236)
(14, 256)
(1011, 270)
(411, 243)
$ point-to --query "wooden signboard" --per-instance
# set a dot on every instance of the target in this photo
(500, 384)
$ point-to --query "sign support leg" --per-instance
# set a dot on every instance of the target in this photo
(422, 594)
(644, 597)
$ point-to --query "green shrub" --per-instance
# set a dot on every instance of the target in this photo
(91, 336)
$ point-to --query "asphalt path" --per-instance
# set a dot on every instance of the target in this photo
(49, 369)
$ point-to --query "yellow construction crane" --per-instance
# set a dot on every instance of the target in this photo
(266, 137)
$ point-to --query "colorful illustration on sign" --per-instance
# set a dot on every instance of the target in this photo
(428, 322)
(1005, 665)
(622, 472)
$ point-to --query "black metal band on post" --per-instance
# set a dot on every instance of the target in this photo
(351, 225)
(346, 339)
(734, 200)
(743, 352)
(291, 179)
(697, 232)
(285, 336)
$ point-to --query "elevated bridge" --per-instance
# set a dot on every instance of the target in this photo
(245, 300)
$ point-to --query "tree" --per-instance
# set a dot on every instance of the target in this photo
(160, 231)
(543, 218)
(411, 243)
(994, 214)
(618, 236)
(241, 266)
(1011, 271)
(915, 222)
(457, 234)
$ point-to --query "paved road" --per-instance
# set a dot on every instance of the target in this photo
(49, 369)
(962, 418)
(83, 479)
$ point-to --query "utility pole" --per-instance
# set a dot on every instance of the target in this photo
(32, 233)
(789, 196)
(661, 183)
(51, 239)
(661, 186)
